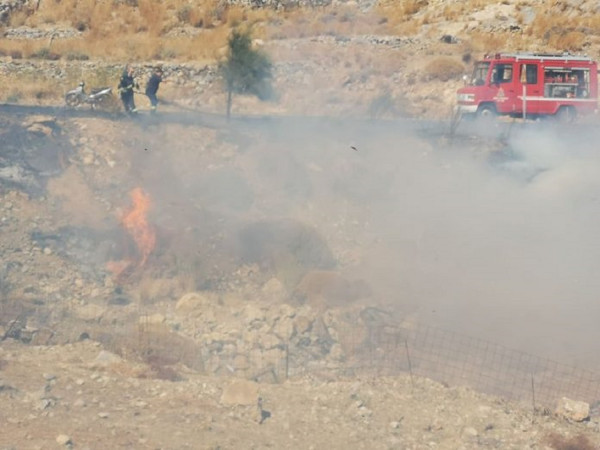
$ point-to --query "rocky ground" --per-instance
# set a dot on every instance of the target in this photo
(80, 396)
(236, 330)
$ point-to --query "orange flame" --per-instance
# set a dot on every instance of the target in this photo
(136, 224)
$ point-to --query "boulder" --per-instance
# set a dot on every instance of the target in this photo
(573, 410)
(194, 301)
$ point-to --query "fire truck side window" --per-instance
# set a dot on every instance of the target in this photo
(529, 74)
(480, 73)
(502, 73)
(582, 78)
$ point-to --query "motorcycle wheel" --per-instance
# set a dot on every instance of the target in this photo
(72, 99)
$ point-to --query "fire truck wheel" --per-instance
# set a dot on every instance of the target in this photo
(486, 112)
(566, 114)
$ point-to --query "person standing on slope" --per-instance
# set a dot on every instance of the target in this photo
(126, 85)
(152, 88)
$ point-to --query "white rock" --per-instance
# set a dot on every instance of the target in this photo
(193, 301)
(573, 410)
(105, 359)
(63, 439)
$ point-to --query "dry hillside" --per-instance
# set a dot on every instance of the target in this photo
(349, 58)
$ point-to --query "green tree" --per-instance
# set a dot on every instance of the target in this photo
(245, 70)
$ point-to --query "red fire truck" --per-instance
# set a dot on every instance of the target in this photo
(531, 85)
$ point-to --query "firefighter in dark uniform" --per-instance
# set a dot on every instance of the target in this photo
(152, 88)
(126, 86)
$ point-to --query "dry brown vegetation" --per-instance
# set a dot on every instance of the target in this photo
(152, 30)
(444, 68)
(175, 30)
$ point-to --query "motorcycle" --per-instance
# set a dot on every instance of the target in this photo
(95, 98)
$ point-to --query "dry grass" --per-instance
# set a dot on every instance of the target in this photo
(453, 11)
(154, 17)
(559, 33)
(31, 87)
(327, 21)
(398, 12)
(572, 41)
(136, 30)
(492, 42)
(444, 68)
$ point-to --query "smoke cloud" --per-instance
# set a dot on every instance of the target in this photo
(497, 239)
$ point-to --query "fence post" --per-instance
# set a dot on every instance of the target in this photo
(524, 102)
(412, 382)
(532, 398)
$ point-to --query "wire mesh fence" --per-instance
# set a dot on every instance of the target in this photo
(346, 350)
(448, 357)
(459, 360)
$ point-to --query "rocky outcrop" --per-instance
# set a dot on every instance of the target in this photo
(7, 6)
(41, 33)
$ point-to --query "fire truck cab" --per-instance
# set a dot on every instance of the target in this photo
(531, 85)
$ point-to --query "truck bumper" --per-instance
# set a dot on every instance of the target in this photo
(465, 109)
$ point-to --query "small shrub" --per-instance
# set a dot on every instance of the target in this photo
(444, 68)
(81, 25)
(45, 53)
(16, 54)
(76, 56)
(184, 14)
(165, 53)
(42, 94)
(14, 97)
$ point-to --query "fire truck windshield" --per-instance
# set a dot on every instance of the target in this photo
(480, 73)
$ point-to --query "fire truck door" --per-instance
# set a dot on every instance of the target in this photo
(505, 82)
(531, 89)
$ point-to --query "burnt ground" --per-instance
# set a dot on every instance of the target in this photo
(267, 233)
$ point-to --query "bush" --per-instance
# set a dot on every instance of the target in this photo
(14, 97)
(76, 56)
(165, 53)
(245, 70)
(45, 53)
(444, 69)
(184, 14)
